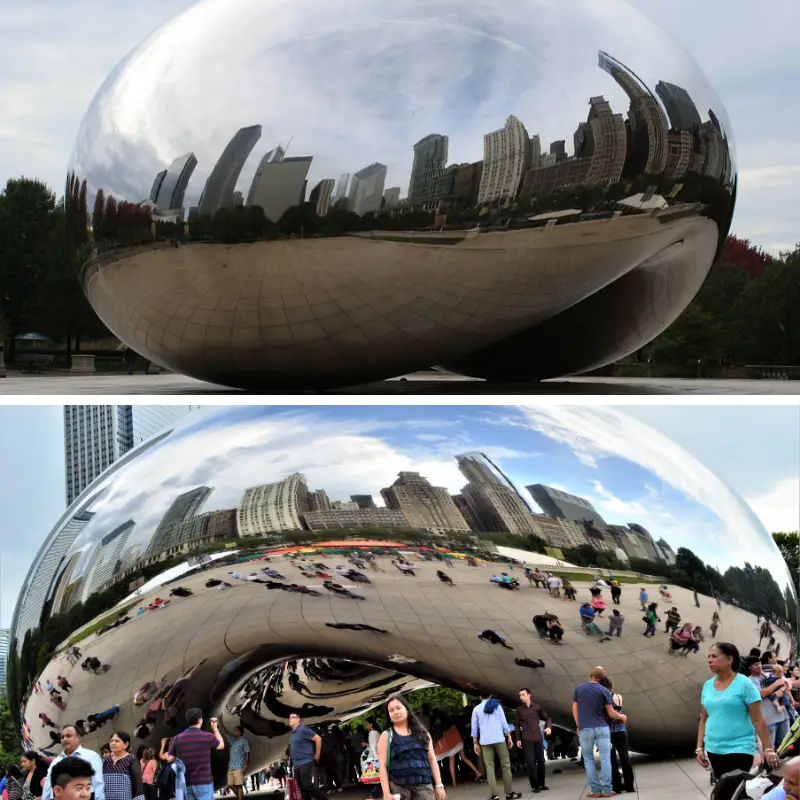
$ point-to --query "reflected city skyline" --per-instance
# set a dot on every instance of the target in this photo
(112, 532)
(662, 135)
(286, 512)
(534, 188)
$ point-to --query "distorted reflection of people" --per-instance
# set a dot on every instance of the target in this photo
(407, 762)
(731, 717)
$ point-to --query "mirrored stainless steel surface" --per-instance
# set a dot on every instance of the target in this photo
(176, 569)
(519, 190)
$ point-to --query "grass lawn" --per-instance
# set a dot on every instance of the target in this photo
(588, 577)
(95, 626)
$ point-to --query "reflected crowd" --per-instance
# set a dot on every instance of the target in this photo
(465, 741)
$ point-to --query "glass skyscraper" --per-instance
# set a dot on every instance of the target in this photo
(96, 436)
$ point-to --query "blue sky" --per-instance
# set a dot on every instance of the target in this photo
(631, 472)
(70, 48)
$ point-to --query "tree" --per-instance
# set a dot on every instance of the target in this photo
(27, 220)
(9, 740)
(789, 545)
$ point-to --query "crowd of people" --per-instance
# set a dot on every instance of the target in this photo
(746, 710)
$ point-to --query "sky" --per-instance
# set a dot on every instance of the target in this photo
(69, 49)
(663, 467)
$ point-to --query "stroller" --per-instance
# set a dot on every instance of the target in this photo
(754, 785)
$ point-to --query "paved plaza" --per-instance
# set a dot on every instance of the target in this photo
(657, 779)
(422, 383)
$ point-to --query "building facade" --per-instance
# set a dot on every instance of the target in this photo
(97, 436)
(279, 185)
(221, 183)
(563, 505)
(342, 519)
(321, 196)
(5, 644)
(273, 507)
(366, 189)
(423, 505)
(506, 155)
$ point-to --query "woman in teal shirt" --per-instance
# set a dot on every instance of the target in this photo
(731, 717)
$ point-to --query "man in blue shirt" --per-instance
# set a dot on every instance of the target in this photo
(489, 730)
(592, 705)
(305, 747)
(643, 598)
(238, 759)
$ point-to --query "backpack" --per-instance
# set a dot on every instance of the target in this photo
(165, 784)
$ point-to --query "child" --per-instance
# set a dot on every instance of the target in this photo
(615, 623)
(587, 621)
(650, 619)
(71, 779)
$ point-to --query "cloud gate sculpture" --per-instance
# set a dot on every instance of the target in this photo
(226, 494)
(516, 191)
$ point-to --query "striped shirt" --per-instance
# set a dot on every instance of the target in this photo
(194, 747)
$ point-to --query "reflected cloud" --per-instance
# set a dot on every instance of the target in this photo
(572, 135)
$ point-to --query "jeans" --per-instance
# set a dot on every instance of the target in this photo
(650, 629)
(488, 751)
(534, 762)
(612, 630)
(304, 774)
(202, 791)
(778, 731)
(602, 738)
(620, 757)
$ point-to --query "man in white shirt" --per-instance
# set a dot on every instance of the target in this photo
(71, 744)
(554, 584)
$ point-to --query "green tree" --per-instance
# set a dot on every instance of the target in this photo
(789, 545)
(9, 739)
(27, 221)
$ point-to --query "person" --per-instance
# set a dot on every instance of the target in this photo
(122, 775)
(715, 620)
(615, 623)
(673, 620)
(592, 707)
(35, 768)
(238, 759)
(490, 731)
(643, 598)
(305, 748)
(620, 754)
(616, 592)
(775, 718)
(15, 783)
(445, 578)
(71, 746)
(650, 619)
(789, 787)
(528, 734)
(73, 778)
(598, 604)
(407, 763)
(148, 765)
(193, 747)
(730, 717)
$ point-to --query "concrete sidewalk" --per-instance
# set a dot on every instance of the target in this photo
(424, 383)
(656, 779)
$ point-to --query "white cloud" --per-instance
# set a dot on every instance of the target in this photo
(608, 432)
(632, 509)
(68, 49)
(779, 508)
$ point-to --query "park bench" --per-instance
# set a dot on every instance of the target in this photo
(34, 362)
